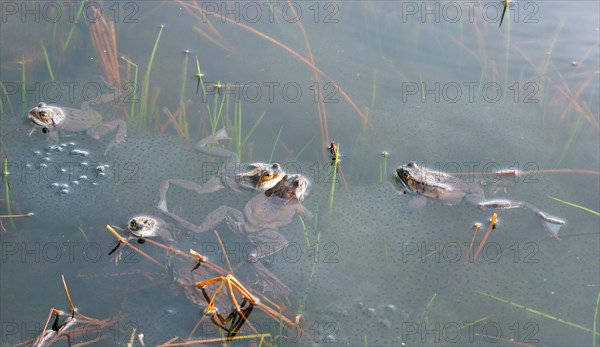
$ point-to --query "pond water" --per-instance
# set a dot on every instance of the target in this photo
(437, 83)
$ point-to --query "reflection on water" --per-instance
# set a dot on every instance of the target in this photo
(453, 93)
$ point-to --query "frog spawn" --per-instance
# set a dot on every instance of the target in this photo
(65, 167)
(385, 254)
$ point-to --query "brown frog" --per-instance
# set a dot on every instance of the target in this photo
(253, 176)
(55, 119)
(145, 226)
(451, 190)
(262, 215)
(141, 227)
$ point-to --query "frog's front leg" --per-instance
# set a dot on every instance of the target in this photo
(235, 219)
(417, 203)
(304, 212)
(52, 135)
(213, 185)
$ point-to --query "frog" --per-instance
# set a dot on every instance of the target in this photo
(450, 190)
(257, 176)
(54, 119)
(263, 214)
(143, 226)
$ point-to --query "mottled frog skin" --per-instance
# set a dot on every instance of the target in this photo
(55, 119)
(451, 190)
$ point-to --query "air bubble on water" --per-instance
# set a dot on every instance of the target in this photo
(331, 339)
(390, 308)
(94, 184)
(84, 163)
(58, 149)
(75, 182)
(64, 191)
(64, 186)
(43, 165)
(46, 159)
(28, 166)
(83, 177)
(63, 170)
(37, 152)
(80, 153)
(54, 185)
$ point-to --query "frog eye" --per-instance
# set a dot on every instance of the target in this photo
(44, 116)
(411, 164)
(132, 224)
(404, 174)
(45, 130)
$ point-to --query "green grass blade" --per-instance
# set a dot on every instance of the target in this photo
(7, 97)
(539, 313)
(181, 120)
(146, 82)
(305, 146)
(83, 233)
(6, 194)
(336, 162)
(427, 307)
(47, 60)
(68, 40)
(373, 92)
(253, 126)
(275, 144)
(575, 205)
(134, 99)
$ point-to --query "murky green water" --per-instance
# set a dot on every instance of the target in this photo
(441, 85)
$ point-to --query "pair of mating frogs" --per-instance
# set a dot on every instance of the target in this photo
(54, 119)
(277, 200)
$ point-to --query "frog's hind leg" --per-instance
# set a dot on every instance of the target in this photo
(203, 146)
(267, 242)
(213, 185)
(102, 129)
(550, 223)
(235, 219)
